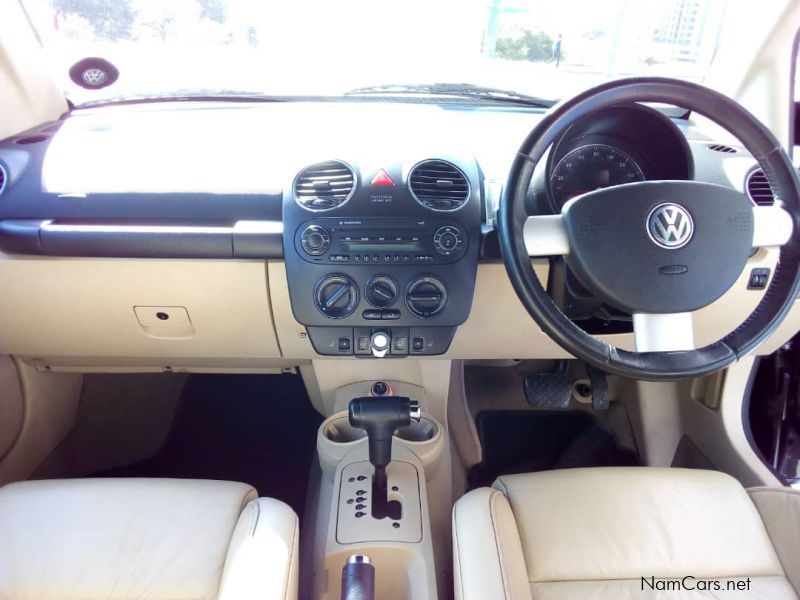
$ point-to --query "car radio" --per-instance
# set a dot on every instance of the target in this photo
(371, 241)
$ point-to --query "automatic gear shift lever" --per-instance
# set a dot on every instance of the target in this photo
(380, 417)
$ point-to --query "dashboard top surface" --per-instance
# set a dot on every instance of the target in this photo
(223, 162)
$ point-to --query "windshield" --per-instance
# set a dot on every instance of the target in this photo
(545, 48)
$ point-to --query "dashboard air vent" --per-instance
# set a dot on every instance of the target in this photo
(759, 189)
(325, 185)
(3, 178)
(439, 185)
(722, 148)
(33, 139)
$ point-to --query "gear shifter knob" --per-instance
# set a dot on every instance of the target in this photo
(380, 417)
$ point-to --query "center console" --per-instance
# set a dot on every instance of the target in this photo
(381, 261)
(377, 458)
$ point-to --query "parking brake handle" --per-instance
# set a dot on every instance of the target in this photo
(358, 578)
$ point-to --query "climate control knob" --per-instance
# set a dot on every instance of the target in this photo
(447, 240)
(336, 296)
(426, 296)
(381, 291)
(315, 240)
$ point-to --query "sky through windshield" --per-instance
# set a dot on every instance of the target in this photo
(311, 47)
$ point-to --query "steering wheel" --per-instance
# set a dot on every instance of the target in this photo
(658, 250)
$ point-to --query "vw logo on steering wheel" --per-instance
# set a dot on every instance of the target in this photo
(670, 225)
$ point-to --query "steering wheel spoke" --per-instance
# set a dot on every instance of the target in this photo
(772, 226)
(545, 235)
(668, 332)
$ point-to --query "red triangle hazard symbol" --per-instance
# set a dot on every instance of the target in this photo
(382, 178)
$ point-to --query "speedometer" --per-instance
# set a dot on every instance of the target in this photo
(591, 167)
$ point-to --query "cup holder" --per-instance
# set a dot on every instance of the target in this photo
(423, 431)
(339, 431)
(336, 438)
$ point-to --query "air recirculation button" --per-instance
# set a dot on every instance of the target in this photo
(381, 291)
(426, 296)
(336, 296)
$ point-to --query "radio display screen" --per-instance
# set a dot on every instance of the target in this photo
(380, 246)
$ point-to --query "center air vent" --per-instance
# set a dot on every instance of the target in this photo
(439, 185)
(324, 185)
(759, 189)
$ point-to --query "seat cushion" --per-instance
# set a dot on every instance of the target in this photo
(140, 538)
(598, 532)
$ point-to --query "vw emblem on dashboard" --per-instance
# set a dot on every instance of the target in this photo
(670, 226)
(94, 77)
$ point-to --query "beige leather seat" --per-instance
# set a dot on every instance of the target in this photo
(169, 539)
(595, 533)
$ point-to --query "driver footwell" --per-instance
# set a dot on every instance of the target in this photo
(529, 441)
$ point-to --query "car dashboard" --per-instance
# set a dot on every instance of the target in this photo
(284, 231)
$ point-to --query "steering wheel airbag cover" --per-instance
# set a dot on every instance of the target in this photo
(614, 253)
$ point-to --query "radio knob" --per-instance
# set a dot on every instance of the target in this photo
(447, 240)
(315, 240)
(336, 296)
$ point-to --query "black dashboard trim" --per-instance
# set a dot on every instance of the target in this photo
(244, 239)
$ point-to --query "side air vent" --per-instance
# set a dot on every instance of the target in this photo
(722, 148)
(759, 189)
(3, 179)
(439, 185)
(324, 185)
(33, 139)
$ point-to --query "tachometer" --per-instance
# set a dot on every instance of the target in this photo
(591, 167)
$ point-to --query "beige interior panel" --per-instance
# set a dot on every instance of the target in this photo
(28, 96)
(51, 406)
(58, 310)
(498, 325)
(292, 335)
(102, 314)
(12, 407)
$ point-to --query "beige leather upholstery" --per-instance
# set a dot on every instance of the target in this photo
(126, 539)
(780, 511)
(595, 533)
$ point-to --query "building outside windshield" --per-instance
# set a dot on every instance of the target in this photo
(546, 48)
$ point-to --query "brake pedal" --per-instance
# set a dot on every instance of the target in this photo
(549, 390)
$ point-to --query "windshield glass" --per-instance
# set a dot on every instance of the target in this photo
(545, 48)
